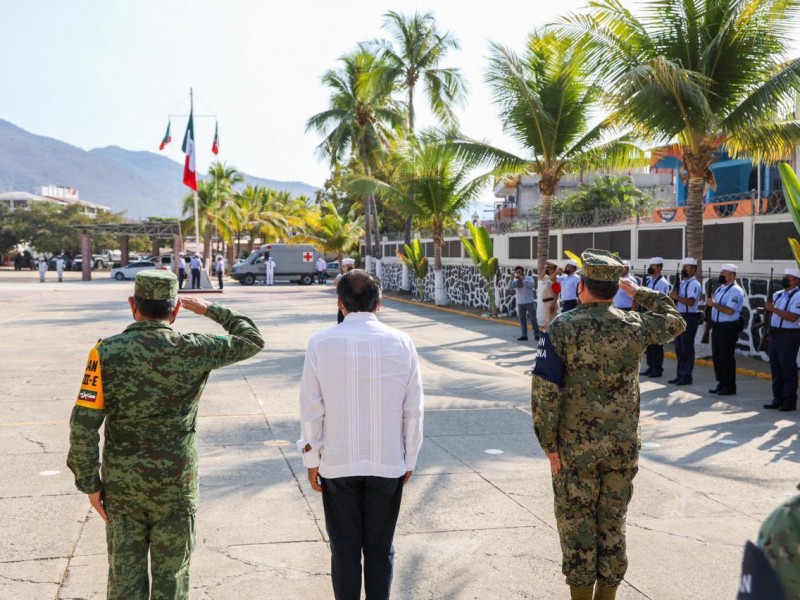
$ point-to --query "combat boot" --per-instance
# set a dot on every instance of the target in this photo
(604, 592)
(580, 592)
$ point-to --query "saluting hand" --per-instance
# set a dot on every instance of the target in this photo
(196, 305)
(629, 287)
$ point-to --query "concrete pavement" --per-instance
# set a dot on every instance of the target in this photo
(474, 524)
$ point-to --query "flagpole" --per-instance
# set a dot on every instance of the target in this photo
(196, 201)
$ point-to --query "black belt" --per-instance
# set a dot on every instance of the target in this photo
(684, 315)
(548, 299)
(721, 323)
(783, 330)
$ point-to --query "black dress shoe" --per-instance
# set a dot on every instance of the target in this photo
(713, 391)
(788, 407)
(774, 404)
(683, 382)
(726, 393)
(654, 374)
(675, 380)
(522, 339)
(646, 372)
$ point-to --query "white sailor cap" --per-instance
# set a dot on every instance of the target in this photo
(348, 261)
(656, 260)
(792, 272)
(627, 263)
(572, 263)
(689, 262)
(729, 267)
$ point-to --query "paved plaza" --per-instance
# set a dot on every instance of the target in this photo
(477, 519)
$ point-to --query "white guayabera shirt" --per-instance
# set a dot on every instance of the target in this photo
(361, 400)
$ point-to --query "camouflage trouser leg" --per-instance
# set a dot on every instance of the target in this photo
(170, 540)
(590, 506)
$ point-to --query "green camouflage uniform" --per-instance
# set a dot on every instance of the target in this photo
(585, 400)
(145, 383)
(779, 538)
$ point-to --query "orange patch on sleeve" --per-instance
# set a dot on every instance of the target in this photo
(91, 392)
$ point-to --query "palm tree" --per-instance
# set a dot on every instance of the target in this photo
(709, 75)
(215, 194)
(413, 57)
(546, 102)
(361, 120)
(337, 233)
(481, 250)
(439, 173)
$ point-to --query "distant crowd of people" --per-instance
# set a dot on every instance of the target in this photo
(555, 292)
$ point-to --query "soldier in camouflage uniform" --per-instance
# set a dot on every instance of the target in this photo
(585, 400)
(145, 383)
(775, 563)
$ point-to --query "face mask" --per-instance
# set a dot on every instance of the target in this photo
(651, 271)
(685, 274)
(723, 279)
(784, 283)
(569, 271)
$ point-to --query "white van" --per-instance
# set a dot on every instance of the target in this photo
(293, 262)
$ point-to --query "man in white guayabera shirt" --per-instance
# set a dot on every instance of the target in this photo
(361, 406)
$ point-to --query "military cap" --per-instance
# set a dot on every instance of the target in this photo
(348, 261)
(156, 285)
(601, 265)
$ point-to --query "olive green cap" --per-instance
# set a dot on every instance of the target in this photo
(156, 285)
(601, 265)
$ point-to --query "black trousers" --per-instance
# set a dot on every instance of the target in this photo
(360, 517)
(723, 351)
(684, 347)
(654, 356)
(181, 278)
(783, 348)
(196, 279)
(568, 305)
(220, 275)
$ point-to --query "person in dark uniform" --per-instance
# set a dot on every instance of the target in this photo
(686, 298)
(726, 307)
(784, 342)
(654, 357)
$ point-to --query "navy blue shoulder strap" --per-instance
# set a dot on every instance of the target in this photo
(549, 365)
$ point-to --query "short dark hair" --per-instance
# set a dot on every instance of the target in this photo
(155, 309)
(604, 290)
(518, 268)
(359, 291)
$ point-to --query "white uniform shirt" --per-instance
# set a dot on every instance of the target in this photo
(621, 299)
(689, 288)
(270, 265)
(60, 265)
(659, 283)
(321, 265)
(729, 296)
(196, 264)
(220, 266)
(42, 266)
(182, 263)
(361, 400)
(569, 286)
(788, 300)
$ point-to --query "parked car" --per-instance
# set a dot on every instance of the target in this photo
(99, 261)
(130, 271)
(293, 262)
(332, 268)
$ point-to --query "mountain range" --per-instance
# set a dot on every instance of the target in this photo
(140, 183)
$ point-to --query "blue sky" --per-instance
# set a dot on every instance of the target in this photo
(95, 73)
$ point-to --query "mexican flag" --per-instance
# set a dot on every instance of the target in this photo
(215, 145)
(189, 169)
(167, 137)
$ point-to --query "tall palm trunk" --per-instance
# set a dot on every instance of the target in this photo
(369, 202)
(694, 219)
(410, 217)
(376, 240)
(543, 241)
(440, 296)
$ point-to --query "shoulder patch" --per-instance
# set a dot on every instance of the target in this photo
(549, 365)
(91, 392)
